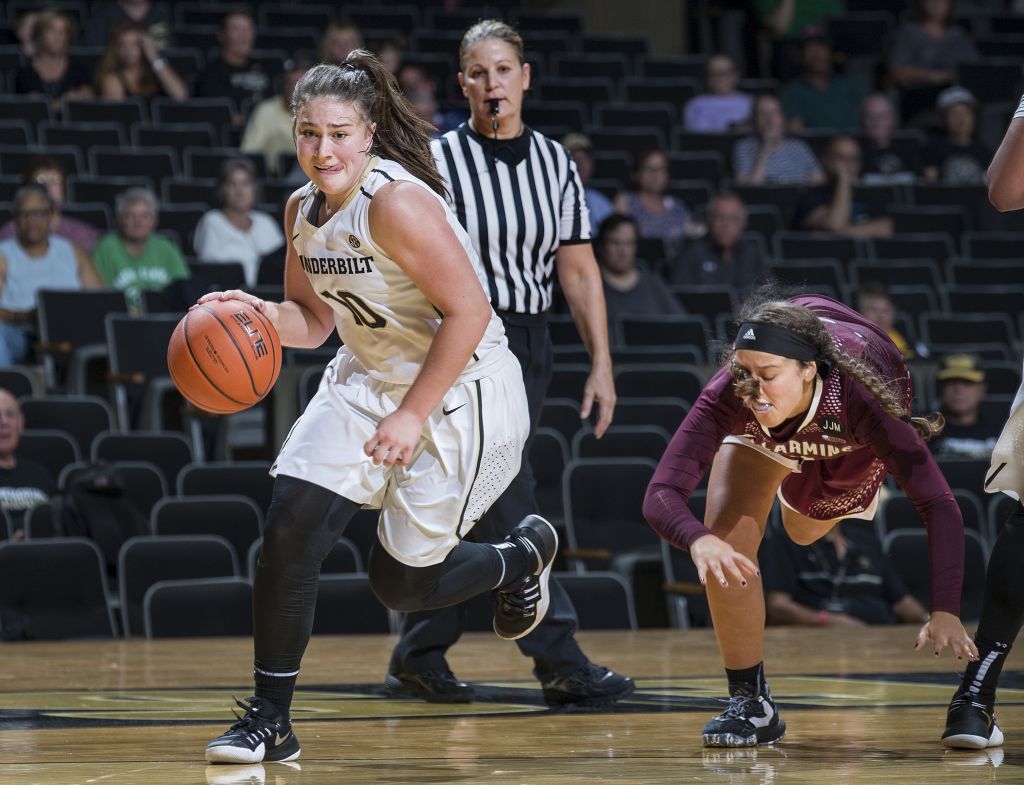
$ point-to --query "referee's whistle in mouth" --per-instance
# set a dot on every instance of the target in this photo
(494, 105)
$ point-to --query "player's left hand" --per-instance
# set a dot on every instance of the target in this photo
(944, 629)
(599, 389)
(395, 439)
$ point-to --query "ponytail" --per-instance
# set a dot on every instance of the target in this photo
(362, 79)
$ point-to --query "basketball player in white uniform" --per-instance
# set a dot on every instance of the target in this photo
(421, 413)
(971, 719)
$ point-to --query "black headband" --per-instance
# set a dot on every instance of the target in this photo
(773, 339)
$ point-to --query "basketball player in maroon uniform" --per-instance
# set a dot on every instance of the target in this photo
(811, 404)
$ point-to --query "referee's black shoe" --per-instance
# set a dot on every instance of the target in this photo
(520, 606)
(262, 733)
(437, 686)
(589, 687)
(971, 724)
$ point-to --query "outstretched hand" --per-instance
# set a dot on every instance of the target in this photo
(709, 553)
(944, 629)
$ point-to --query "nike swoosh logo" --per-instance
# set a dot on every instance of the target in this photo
(446, 412)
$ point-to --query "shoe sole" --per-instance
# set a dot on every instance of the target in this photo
(545, 597)
(603, 702)
(397, 688)
(970, 741)
(228, 754)
(732, 740)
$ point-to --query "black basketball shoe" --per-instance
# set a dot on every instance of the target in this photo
(261, 734)
(437, 686)
(971, 724)
(520, 606)
(749, 720)
(589, 687)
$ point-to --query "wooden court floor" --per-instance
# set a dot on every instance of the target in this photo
(861, 707)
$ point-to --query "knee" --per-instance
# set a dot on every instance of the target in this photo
(284, 539)
(396, 585)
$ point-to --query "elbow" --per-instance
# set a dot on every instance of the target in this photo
(650, 510)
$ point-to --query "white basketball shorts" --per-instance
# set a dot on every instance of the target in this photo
(470, 451)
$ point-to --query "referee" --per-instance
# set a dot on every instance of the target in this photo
(520, 198)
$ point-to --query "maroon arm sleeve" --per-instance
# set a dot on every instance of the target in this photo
(716, 413)
(907, 458)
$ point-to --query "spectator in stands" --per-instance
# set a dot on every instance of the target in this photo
(51, 72)
(339, 41)
(834, 206)
(234, 74)
(24, 484)
(135, 258)
(874, 302)
(657, 214)
(770, 157)
(924, 54)
(24, 26)
(968, 431)
(957, 158)
(818, 98)
(628, 289)
(131, 67)
(32, 260)
(49, 173)
(414, 79)
(723, 257)
(153, 18)
(723, 107)
(390, 53)
(842, 580)
(784, 19)
(270, 130)
(236, 232)
(580, 147)
(884, 164)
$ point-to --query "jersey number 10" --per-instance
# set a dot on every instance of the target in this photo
(364, 315)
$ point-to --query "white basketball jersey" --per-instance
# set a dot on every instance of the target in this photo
(382, 317)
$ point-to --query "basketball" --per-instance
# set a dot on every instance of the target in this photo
(224, 356)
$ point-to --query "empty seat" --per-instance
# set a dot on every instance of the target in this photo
(937, 247)
(663, 330)
(602, 499)
(897, 272)
(666, 413)
(811, 245)
(139, 375)
(53, 589)
(80, 416)
(200, 607)
(622, 441)
(603, 600)
(659, 381)
(245, 478)
(52, 449)
(235, 518)
(169, 451)
(907, 549)
(125, 112)
(346, 605)
(84, 136)
(144, 561)
(155, 163)
(562, 415)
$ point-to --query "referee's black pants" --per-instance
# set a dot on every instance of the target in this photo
(427, 635)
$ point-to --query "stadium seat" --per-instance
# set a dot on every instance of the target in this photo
(198, 607)
(622, 441)
(603, 600)
(235, 518)
(82, 417)
(35, 606)
(346, 605)
(246, 478)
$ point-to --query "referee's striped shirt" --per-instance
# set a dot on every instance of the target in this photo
(518, 199)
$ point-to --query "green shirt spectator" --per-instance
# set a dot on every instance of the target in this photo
(786, 18)
(134, 258)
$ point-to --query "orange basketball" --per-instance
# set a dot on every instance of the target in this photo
(224, 356)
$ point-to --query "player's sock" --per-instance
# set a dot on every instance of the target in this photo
(278, 687)
(749, 681)
(982, 675)
(517, 559)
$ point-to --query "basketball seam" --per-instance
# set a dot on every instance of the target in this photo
(273, 345)
(241, 354)
(199, 366)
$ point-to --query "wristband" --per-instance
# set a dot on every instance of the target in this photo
(822, 619)
(159, 64)
(1020, 109)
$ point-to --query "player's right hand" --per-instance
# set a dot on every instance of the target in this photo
(265, 307)
(714, 555)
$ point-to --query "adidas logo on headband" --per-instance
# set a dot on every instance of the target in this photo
(749, 335)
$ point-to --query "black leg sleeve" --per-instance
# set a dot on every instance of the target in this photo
(470, 569)
(303, 523)
(1002, 611)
